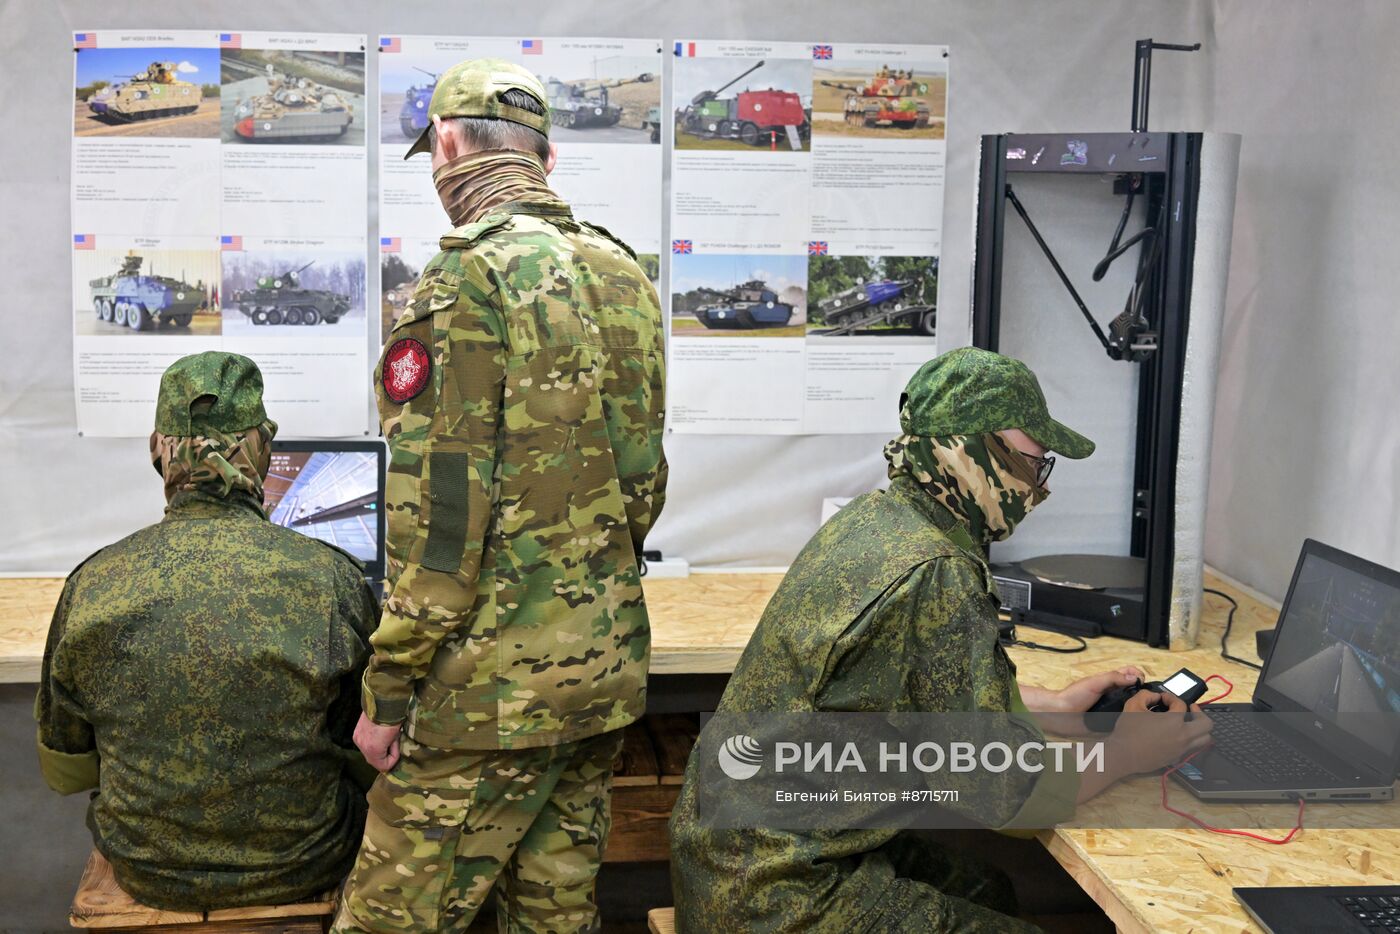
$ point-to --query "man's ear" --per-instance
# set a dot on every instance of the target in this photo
(446, 140)
(553, 158)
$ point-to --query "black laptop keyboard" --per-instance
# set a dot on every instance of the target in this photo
(1376, 912)
(1261, 753)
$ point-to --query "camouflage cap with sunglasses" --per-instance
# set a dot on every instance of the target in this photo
(475, 88)
(970, 391)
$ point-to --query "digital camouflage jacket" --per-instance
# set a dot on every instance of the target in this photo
(889, 608)
(202, 675)
(521, 394)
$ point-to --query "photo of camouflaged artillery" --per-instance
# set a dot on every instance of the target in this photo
(302, 97)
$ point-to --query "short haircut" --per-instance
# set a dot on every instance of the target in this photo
(480, 133)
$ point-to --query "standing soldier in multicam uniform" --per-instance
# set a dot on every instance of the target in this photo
(202, 674)
(891, 608)
(521, 393)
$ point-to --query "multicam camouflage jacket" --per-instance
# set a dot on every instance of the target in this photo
(521, 394)
(202, 675)
(889, 608)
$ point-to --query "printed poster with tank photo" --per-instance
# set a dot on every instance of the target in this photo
(814, 163)
(180, 136)
(401, 262)
(605, 101)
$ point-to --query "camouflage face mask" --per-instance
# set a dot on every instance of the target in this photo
(215, 463)
(978, 477)
(472, 186)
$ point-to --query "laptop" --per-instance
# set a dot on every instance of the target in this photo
(334, 491)
(1322, 725)
(1311, 909)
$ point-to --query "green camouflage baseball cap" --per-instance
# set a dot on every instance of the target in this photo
(227, 388)
(970, 391)
(473, 89)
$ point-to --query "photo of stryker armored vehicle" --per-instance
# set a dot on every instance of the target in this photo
(413, 115)
(885, 302)
(140, 302)
(889, 99)
(155, 92)
(749, 116)
(281, 300)
(745, 307)
(293, 108)
(582, 104)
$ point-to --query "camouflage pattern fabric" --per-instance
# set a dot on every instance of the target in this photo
(211, 391)
(524, 474)
(970, 391)
(981, 479)
(474, 185)
(446, 827)
(475, 88)
(202, 676)
(215, 463)
(889, 607)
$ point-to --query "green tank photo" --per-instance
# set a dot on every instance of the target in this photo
(280, 299)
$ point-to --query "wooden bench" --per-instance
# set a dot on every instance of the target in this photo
(661, 921)
(647, 779)
(101, 905)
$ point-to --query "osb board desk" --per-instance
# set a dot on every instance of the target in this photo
(1145, 880)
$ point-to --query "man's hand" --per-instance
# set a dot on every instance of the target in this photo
(1145, 741)
(1084, 693)
(379, 744)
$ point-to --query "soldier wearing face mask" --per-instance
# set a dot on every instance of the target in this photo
(891, 608)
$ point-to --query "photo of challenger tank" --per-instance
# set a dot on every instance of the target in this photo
(166, 92)
(877, 100)
(274, 96)
(723, 295)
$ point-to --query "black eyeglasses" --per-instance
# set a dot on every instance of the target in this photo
(1043, 466)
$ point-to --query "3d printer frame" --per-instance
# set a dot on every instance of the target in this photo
(1163, 168)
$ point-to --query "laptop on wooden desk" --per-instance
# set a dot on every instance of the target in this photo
(1322, 725)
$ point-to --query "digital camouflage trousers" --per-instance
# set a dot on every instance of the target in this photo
(445, 827)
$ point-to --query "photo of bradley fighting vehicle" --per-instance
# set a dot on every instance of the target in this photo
(581, 104)
(748, 306)
(889, 99)
(155, 92)
(749, 116)
(292, 109)
(281, 300)
(140, 302)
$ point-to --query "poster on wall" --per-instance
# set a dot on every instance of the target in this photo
(209, 172)
(606, 104)
(806, 226)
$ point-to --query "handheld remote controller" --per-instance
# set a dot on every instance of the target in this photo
(1184, 684)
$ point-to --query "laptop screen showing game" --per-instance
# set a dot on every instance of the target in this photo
(1338, 650)
(334, 493)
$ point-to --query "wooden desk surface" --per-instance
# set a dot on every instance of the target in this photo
(1145, 880)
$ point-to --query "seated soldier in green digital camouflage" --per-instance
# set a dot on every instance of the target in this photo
(891, 607)
(202, 675)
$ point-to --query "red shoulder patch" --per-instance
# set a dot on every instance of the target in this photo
(407, 367)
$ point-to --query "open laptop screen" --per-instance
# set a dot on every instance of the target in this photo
(1337, 652)
(333, 491)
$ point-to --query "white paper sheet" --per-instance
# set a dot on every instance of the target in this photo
(606, 94)
(238, 173)
(806, 225)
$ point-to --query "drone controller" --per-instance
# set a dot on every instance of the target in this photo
(1184, 684)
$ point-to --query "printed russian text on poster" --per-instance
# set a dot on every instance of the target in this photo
(806, 216)
(208, 179)
(605, 102)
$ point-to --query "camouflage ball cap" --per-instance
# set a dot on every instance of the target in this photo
(473, 89)
(231, 385)
(970, 391)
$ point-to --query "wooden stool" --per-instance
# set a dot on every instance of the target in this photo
(101, 904)
(661, 921)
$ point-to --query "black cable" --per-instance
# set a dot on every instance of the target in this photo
(1225, 636)
(1016, 640)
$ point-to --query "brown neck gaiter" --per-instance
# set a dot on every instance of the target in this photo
(474, 185)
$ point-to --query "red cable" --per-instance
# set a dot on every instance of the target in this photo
(1202, 824)
(1228, 688)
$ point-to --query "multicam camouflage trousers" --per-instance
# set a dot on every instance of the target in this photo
(446, 826)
